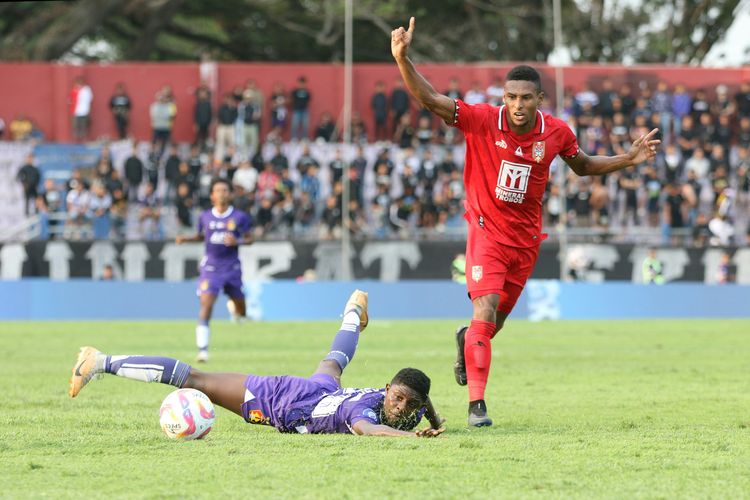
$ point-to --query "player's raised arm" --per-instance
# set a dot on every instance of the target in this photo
(643, 148)
(441, 105)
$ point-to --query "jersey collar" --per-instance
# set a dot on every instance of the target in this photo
(502, 122)
(224, 215)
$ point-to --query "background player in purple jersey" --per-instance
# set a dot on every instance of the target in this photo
(314, 405)
(223, 228)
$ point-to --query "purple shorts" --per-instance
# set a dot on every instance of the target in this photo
(213, 282)
(272, 400)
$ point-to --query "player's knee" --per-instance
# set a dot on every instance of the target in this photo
(485, 309)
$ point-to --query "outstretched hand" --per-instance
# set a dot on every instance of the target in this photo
(431, 431)
(644, 148)
(401, 39)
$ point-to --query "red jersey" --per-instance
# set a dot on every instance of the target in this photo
(506, 174)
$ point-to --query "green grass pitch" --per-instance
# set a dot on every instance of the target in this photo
(615, 409)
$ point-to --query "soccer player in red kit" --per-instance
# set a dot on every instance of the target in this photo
(508, 154)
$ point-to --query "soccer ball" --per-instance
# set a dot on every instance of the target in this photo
(186, 414)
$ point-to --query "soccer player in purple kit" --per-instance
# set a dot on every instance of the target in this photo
(223, 228)
(314, 405)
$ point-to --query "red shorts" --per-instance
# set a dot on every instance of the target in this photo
(492, 267)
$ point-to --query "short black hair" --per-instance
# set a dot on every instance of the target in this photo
(525, 73)
(219, 180)
(415, 380)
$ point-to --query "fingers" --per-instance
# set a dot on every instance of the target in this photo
(651, 134)
(411, 25)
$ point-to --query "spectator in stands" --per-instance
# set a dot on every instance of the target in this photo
(278, 111)
(161, 112)
(310, 184)
(108, 273)
(267, 181)
(495, 91)
(264, 217)
(184, 203)
(399, 102)
(78, 201)
(326, 129)
(336, 166)
(743, 134)
(28, 175)
(54, 202)
(99, 205)
(722, 231)
(133, 174)
(202, 116)
(256, 101)
(305, 214)
(250, 113)
(306, 160)
(149, 214)
(118, 213)
(701, 232)
(81, 97)
(424, 134)
(357, 129)
(675, 213)
(171, 172)
(699, 104)
(698, 163)
(379, 107)
(301, 110)
(652, 269)
(119, 105)
(186, 176)
(279, 160)
(722, 104)
(661, 102)
(475, 95)
(454, 89)
(103, 171)
(682, 104)
(331, 219)
(724, 271)
(742, 100)
(404, 133)
(225, 128)
(2, 129)
(21, 128)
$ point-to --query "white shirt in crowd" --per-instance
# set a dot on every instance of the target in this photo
(246, 177)
(83, 101)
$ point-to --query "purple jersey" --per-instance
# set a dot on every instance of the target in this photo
(316, 405)
(214, 227)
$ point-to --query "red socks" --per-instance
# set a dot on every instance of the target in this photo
(478, 354)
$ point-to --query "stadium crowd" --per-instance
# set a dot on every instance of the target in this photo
(405, 175)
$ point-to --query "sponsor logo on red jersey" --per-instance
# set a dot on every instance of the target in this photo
(512, 181)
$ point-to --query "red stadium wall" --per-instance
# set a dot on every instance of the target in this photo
(41, 91)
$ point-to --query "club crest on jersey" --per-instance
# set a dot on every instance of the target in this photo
(501, 144)
(476, 273)
(231, 225)
(537, 151)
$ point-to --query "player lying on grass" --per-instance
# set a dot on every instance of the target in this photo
(291, 404)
